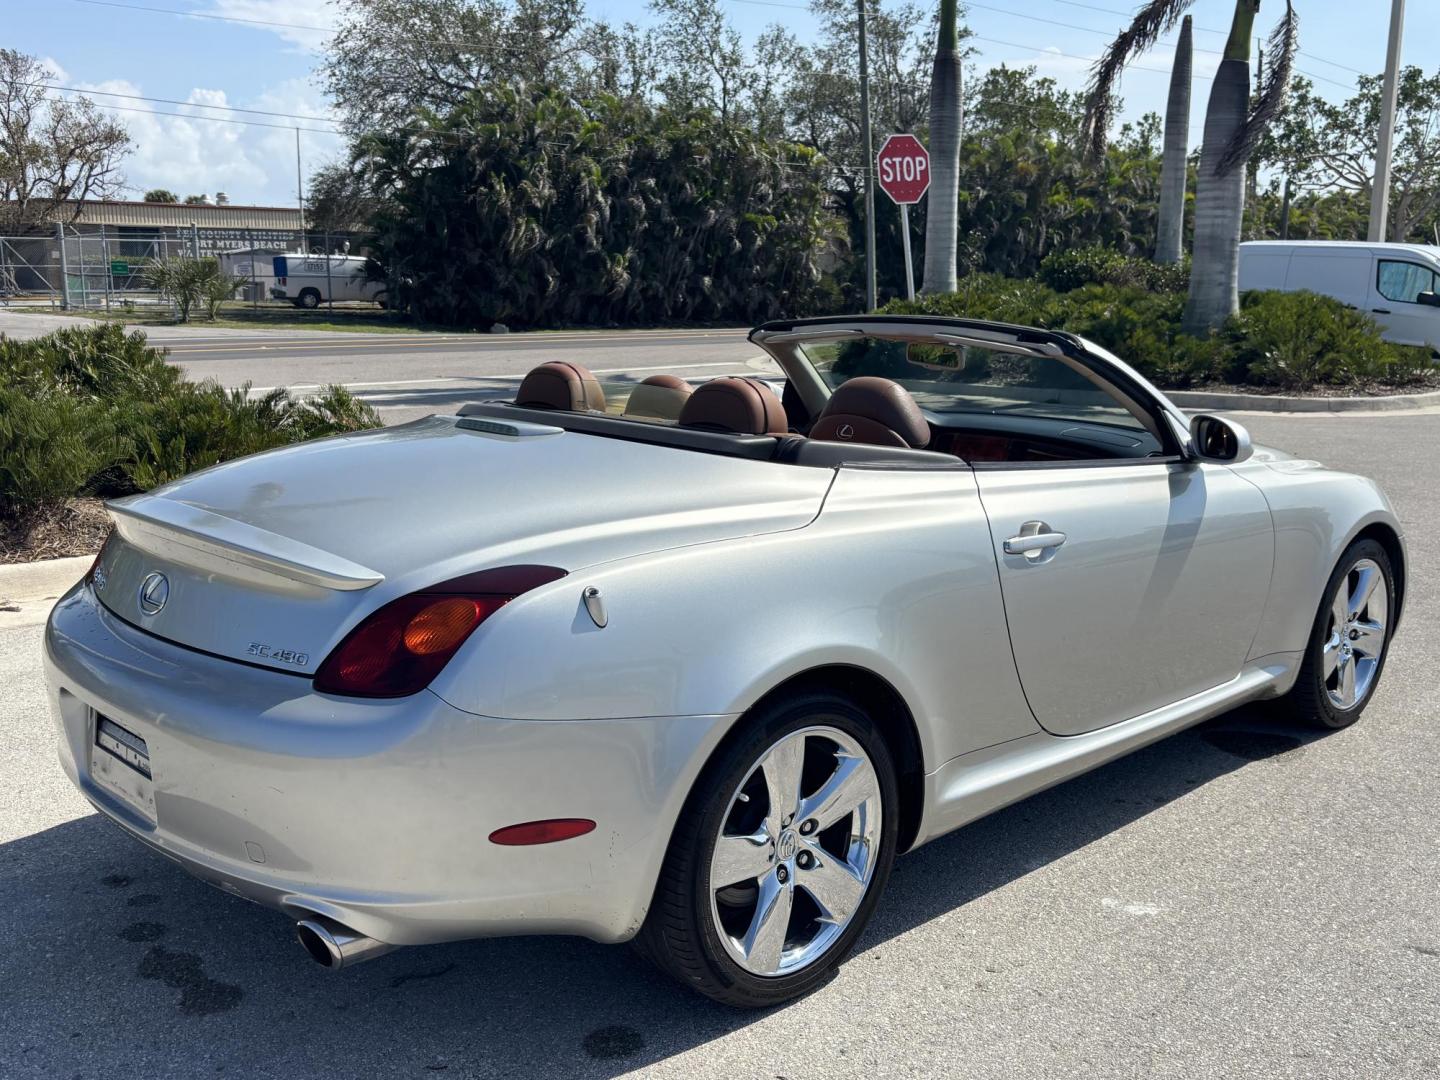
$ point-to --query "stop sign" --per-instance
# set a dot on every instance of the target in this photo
(903, 169)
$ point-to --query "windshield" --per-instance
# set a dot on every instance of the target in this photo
(957, 379)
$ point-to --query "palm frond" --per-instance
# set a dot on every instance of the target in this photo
(1156, 19)
(1281, 46)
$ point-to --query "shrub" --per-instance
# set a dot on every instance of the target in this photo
(51, 447)
(96, 411)
(1300, 340)
(1070, 269)
(982, 296)
(1293, 341)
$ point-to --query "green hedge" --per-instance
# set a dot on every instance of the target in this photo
(94, 411)
(1290, 341)
(1072, 268)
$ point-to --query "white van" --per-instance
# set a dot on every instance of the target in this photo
(1397, 285)
(308, 281)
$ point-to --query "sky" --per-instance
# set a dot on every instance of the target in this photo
(143, 48)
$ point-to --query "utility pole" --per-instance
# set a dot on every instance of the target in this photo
(869, 152)
(299, 189)
(1380, 192)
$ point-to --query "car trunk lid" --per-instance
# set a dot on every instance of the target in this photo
(271, 559)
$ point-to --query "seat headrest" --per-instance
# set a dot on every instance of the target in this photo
(660, 397)
(737, 406)
(561, 385)
(870, 410)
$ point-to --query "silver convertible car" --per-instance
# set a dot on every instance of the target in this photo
(693, 665)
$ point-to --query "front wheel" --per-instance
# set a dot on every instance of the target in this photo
(1348, 643)
(780, 855)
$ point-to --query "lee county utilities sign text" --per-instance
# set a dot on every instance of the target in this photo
(903, 169)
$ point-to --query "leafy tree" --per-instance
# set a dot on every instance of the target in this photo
(1325, 145)
(396, 59)
(161, 195)
(197, 200)
(533, 210)
(52, 152)
(341, 199)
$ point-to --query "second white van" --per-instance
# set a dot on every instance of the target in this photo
(1397, 285)
(308, 281)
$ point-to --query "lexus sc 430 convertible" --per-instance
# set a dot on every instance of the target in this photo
(692, 665)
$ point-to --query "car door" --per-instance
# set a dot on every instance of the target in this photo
(1127, 585)
(1396, 285)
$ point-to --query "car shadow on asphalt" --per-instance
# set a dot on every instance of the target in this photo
(119, 960)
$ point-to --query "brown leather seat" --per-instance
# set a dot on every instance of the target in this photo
(871, 410)
(561, 385)
(660, 397)
(736, 406)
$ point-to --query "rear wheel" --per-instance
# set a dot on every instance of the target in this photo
(780, 855)
(308, 299)
(1348, 643)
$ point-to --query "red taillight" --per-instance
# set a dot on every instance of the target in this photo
(401, 647)
(542, 832)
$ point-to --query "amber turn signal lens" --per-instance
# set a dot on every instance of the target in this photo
(442, 626)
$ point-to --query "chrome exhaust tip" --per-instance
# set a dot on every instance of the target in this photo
(334, 945)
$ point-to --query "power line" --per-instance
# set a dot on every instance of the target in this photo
(1201, 29)
(203, 119)
(187, 104)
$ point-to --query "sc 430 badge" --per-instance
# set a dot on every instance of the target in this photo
(284, 656)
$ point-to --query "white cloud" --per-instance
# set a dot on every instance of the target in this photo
(293, 13)
(195, 153)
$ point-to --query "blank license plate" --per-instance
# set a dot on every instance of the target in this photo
(120, 763)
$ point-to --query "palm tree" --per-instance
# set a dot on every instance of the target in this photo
(1232, 130)
(942, 215)
(1170, 231)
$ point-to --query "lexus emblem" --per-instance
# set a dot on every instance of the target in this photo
(846, 432)
(154, 591)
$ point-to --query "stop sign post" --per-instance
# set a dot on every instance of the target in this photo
(902, 169)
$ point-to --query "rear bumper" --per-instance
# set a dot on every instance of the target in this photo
(374, 813)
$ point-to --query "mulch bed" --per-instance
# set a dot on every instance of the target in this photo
(75, 527)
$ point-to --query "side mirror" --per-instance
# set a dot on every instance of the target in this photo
(1214, 438)
(1429, 299)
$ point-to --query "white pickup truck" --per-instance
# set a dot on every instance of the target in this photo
(308, 281)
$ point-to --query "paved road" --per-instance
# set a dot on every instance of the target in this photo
(1238, 901)
(410, 375)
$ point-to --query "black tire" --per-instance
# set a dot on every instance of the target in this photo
(309, 299)
(1309, 701)
(679, 934)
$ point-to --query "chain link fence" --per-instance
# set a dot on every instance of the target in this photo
(104, 270)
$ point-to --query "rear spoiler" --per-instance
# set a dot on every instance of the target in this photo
(195, 537)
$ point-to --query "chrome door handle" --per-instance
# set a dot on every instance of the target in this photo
(1034, 540)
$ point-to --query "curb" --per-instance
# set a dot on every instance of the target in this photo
(29, 590)
(1280, 403)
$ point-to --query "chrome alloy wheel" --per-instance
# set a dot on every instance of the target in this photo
(1355, 640)
(796, 851)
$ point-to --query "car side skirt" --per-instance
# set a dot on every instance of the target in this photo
(973, 785)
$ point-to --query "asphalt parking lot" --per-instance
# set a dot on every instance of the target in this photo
(1241, 900)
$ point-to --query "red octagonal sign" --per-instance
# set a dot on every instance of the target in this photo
(903, 169)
